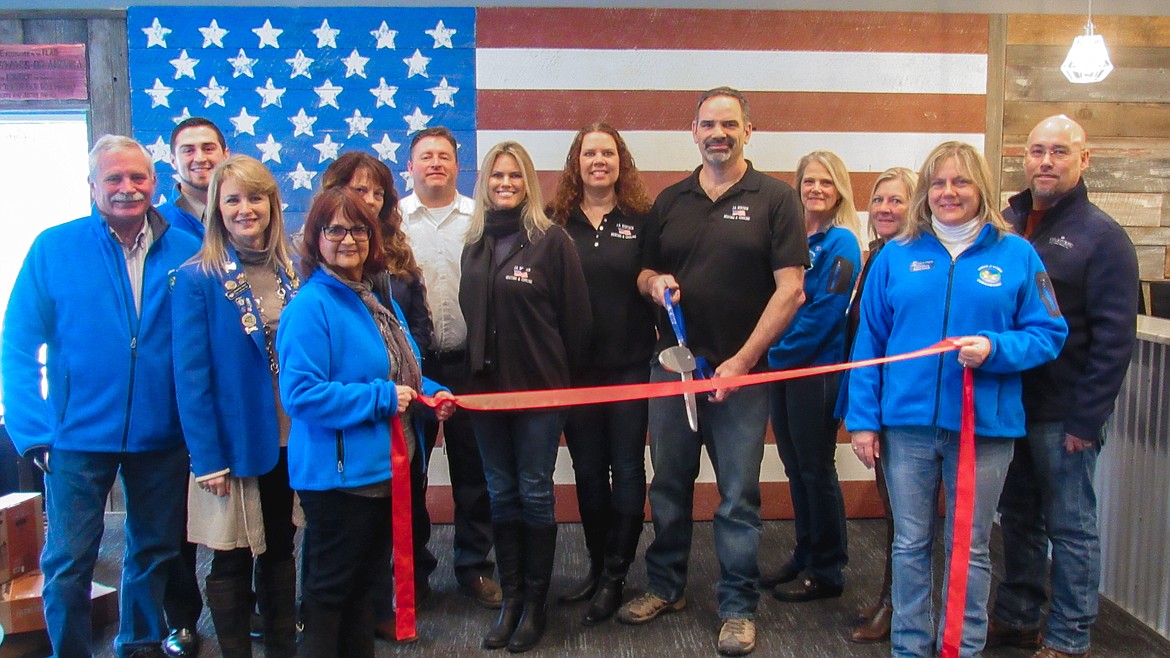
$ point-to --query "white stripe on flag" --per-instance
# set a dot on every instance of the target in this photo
(747, 70)
(668, 150)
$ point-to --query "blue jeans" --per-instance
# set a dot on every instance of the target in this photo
(155, 483)
(1049, 496)
(733, 433)
(916, 459)
(806, 438)
(519, 451)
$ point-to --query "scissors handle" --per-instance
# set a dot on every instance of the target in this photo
(676, 320)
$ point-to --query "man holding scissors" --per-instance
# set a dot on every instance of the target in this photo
(729, 250)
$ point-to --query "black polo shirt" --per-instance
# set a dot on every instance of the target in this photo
(611, 257)
(724, 254)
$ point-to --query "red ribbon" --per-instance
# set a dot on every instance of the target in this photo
(956, 594)
(400, 520)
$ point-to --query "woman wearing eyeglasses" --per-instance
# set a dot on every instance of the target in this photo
(348, 365)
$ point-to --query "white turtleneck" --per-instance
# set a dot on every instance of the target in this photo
(956, 239)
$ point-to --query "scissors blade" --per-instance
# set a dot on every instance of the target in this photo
(692, 406)
(678, 359)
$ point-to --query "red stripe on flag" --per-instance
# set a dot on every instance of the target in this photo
(698, 29)
(771, 111)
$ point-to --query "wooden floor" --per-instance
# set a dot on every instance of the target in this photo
(450, 625)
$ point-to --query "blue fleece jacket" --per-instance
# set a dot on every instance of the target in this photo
(816, 335)
(917, 295)
(181, 219)
(111, 382)
(333, 368)
(222, 378)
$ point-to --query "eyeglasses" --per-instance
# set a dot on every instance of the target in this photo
(337, 233)
(1057, 153)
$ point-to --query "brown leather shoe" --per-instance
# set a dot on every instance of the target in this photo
(484, 590)
(1049, 652)
(999, 635)
(386, 631)
(877, 628)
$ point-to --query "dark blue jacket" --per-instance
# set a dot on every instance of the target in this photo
(333, 368)
(915, 296)
(816, 335)
(110, 369)
(222, 378)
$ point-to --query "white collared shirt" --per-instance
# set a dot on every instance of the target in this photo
(135, 256)
(438, 245)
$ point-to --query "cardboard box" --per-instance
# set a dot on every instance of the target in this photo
(22, 534)
(22, 608)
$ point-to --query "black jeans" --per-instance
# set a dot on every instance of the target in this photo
(806, 438)
(610, 440)
(347, 534)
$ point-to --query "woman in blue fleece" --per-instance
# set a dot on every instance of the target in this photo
(954, 271)
(347, 366)
(802, 409)
(227, 305)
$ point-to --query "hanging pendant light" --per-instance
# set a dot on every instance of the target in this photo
(1088, 59)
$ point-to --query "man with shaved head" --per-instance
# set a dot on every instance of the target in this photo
(1048, 496)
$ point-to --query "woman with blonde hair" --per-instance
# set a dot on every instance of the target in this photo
(227, 304)
(954, 270)
(803, 409)
(524, 297)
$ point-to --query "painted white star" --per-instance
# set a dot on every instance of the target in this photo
(302, 178)
(302, 123)
(242, 64)
(327, 148)
(387, 149)
(442, 35)
(409, 180)
(244, 123)
(213, 34)
(326, 36)
(416, 121)
(355, 64)
(327, 93)
(384, 93)
(417, 64)
(359, 124)
(156, 34)
(300, 65)
(158, 94)
(159, 151)
(444, 94)
(184, 66)
(385, 36)
(213, 93)
(269, 150)
(183, 116)
(268, 34)
(269, 94)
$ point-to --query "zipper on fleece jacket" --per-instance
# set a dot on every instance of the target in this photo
(340, 451)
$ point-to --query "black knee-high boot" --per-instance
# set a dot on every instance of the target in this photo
(509, 540)
(619, 555)
(276, 588)
(540, 545)
(230, 603)
(595, 524)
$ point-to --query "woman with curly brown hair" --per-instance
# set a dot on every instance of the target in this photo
(602, 203)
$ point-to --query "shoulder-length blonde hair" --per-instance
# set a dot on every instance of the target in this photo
(255, 179)
(845, 211)
(534, 220)
(399, 256)
(903, 175)
(973, 164)
(629, 190)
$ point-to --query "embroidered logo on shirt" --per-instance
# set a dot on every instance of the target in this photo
(921, 265)
(739, 213)
(623, 232)
(991, 276)
(1061, 242)
(520, 273)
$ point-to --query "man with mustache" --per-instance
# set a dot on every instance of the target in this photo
(1048, 496)
(94, 292)
(197, 147)
(728, 245)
